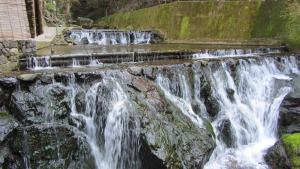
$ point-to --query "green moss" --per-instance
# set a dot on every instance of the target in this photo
(209, 127)
(4, 114)
(292, 146)
(185, 24)
(239, 22)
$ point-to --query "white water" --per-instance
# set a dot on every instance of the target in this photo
(111, 38)
(114, 144)
(233, 53)
(253, 114)
(38, 63)
(184, 102)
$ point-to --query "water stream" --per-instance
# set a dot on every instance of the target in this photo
(253, 112)
(249, 114)
(100, 37)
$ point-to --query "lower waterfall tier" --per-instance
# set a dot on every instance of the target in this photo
(218, 114)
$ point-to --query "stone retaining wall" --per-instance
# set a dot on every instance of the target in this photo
(10, 52)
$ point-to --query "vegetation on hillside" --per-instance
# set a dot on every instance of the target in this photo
(257, 22)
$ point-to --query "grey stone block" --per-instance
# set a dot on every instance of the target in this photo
(13, 44)
(3, 60)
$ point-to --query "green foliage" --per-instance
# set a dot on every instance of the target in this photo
(50, 7)
(239, 22)
(292, 146)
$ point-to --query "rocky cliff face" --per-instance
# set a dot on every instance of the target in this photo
(40, 127)
(149, 117)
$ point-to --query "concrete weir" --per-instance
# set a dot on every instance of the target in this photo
(96, 58)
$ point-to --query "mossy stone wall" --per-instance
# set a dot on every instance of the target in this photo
(236, 21)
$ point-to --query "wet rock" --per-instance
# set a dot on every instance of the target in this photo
(163, 125)
(8, 82)
(212, 106)
(84, 41)
(47, 144)
(27, 78)
(141, 84)
(230, 94)
(62, 78)
(22, 107)
(3, 96)
(7, 125)
(136, 71)
(150, 72)
(46, 79)
(80, 101)
(87, 78)
(188, 64)
(277, 157)
(225, 132)
(289, 114)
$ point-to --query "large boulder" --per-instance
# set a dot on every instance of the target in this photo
(169, 138)
(289, 116)
(7, 125)
(51, 146)
(277, 157)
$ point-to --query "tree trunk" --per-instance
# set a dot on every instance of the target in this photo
(68, 8)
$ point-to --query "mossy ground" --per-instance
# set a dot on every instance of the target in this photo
(236, 21)
(292, 146)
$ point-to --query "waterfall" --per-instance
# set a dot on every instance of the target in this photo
(38, 63)
(233, 53)
(101, 37)
(180, 96)
(253, 112)
(112, 129)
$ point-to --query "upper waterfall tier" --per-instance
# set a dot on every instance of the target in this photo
(109, 37)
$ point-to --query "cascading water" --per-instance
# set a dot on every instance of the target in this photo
(100, 37)
(233, 53)
(38, 63)
(252, 114)
(111, 128)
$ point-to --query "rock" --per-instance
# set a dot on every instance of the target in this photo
(14, 51)
(86, 23)
(3, 60)
(230, 94)
(212, 106)
(53, 145)
(84, 41)
(163, 141)
(27, 77)
(6, 52)
(8, 82)
(150, 72)
(13, 44)
(7, 125)
(3, 96)
(289, 114)
(188, 64)
(46, 79)
(14, 59)
(277, 157)
(225, 132)
(80, 101)
(141, 84)
(136, 71)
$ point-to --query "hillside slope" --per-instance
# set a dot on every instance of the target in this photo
(235, 22)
